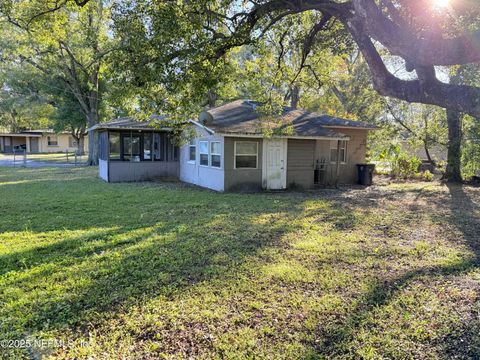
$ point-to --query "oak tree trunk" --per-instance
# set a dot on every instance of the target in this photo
(93, 148)
(427, 152)
(212, 99)
(453, 173)
(81, 145)
(295, 97)
(93, 141)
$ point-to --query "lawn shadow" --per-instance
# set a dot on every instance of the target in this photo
(91, 276)
(337, 341)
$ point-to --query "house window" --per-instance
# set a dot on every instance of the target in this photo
(246, 155)
(72, 142)
(192, 151)
(114, 145)
(52, 140)
(203, 149)
(334, 148)
(215, 154)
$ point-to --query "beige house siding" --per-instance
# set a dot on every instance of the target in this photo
(302, 157)
(63, 144)
(241, 179)
(300, 163)
(28, 141)
(356, 154)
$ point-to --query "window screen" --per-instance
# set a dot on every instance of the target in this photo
(147, 146)
(157, 147)
(203, 150)
(192, 151)
(333, 151)
(52, 140)
(215, 154)
(246, 155)
(103, 139)
(114, 140)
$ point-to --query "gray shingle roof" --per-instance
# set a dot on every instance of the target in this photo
(241, 117)
(127, 123)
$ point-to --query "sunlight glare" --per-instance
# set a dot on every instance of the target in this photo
(441, 3)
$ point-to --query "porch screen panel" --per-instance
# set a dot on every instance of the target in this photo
(158, 152)
(103, 139)
(136, 147)
(171, 149)
(147, 146)
(127, 147)
(114, 142)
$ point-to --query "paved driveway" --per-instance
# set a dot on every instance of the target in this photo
(8, 161)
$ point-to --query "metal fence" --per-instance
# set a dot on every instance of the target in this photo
(20, 158)
(23, 159)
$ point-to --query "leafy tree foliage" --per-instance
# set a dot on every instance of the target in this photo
(64, 42)
(21, 103)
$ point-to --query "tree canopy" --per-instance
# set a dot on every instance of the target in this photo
(177, 57)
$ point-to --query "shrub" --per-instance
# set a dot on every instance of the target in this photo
(425, 176)
(405, 166)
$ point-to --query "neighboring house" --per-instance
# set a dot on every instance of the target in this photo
(39, 141)
(231, 152)
(437, 152)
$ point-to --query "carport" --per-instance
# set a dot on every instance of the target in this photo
(17, 142)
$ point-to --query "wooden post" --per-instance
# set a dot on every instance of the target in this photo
(337, 168)
(66, 152)
(25, 158)
(27, 143)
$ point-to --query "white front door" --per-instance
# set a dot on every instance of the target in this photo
(275, 164)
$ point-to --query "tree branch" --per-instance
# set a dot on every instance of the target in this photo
(400, 41)
(426, 90)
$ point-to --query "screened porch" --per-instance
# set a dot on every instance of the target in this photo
(137, 155)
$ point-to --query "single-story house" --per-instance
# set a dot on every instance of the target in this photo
(234, 148)
(39, 141)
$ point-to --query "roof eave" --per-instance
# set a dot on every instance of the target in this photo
(261, 136)
(350, 127)
(127, 128)
(209, 130)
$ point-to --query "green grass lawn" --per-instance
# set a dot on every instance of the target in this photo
(158, 270)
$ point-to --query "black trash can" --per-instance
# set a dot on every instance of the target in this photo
(365, 174)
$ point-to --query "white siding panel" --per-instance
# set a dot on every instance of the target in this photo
(103, 169)
(204, 176)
